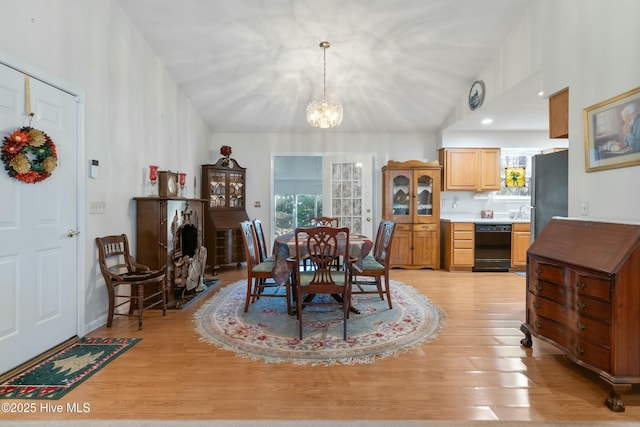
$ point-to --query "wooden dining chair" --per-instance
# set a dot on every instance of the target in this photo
(119, 268)
(320, 245)
(262, 244)
(260, 275)
(324, 221)
(375, 265)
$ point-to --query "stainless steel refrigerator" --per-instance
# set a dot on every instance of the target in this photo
(549, 189)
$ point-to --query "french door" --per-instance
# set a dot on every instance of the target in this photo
(347, 191)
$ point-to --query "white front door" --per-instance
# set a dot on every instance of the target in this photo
(347, 191)
(38, 258)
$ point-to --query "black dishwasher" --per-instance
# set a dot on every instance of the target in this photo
(492, 249)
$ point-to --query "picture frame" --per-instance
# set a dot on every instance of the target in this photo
(612, 132)
(515, 176)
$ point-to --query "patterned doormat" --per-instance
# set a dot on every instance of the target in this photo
(62, 372)
(266, 332)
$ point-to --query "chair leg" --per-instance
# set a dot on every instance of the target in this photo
(140, 304)
(388, 291)
(248, 298)
(164, 297)
(379, 286)
(112, 303)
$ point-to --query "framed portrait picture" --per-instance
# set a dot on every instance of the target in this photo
(612, 132)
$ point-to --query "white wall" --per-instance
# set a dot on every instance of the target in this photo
(135, 113)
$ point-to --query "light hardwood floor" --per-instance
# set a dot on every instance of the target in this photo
(475, 370)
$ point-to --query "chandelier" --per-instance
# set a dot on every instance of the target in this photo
(324, 113)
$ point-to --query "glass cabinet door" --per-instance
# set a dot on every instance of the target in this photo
(217, 189)
(236, 190)
(401, 194)
(424, 195)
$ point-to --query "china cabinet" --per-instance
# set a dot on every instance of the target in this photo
(411, 199)
(583, 297)
(223, 188)
(470, 169)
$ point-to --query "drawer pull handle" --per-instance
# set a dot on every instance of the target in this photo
(538, 325)
(580, 326)
(538, 271)
(580, 350)
(562, 330)
(581, 285)
(536, 305)
(580, 305)
(538, 287)
(563, 308)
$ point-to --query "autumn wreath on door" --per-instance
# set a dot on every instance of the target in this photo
(29, 155)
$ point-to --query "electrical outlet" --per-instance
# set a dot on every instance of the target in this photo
(97, 207)
(584, 208)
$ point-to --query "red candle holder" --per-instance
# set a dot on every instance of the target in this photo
(153, 172)
(153, 178)
(182, 179)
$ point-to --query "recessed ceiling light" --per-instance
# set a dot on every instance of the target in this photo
(487, 121)
(541, 93)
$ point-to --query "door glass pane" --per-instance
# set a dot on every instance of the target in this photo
(346, 195)
(400, 193)
(425, 195)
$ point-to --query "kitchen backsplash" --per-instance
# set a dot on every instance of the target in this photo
(463, 202)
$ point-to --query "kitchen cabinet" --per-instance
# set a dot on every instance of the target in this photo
(470, 169)
(457, 245)
(559, 114)
(520, 240)
(583, 297)
(223, 188)
(411, 199)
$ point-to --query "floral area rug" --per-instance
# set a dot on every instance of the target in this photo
(63, 371)
(266, 332)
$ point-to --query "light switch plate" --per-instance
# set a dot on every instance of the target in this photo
(97, 207)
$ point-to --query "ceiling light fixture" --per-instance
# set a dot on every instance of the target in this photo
(324, 113)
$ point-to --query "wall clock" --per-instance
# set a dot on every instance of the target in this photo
(476, 94)
(167, 184)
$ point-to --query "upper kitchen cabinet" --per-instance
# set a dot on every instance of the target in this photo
(470, 169)
(411, 199)
(559, 114)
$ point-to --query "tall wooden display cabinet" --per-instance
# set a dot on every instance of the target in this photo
(223, 188)
(411, 199)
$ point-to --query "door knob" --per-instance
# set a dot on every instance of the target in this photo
(73, 232)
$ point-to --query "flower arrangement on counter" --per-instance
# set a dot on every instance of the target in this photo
(29, 155)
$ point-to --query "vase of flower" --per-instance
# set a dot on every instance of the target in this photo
(225, 151)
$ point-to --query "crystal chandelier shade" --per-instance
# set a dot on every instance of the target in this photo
(324, 113)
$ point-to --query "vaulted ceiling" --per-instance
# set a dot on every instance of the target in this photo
(396, 66)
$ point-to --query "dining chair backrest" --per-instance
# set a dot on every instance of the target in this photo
(250, 247)
(262, 245)
(322, 246)
(383, 241)
(324, 221)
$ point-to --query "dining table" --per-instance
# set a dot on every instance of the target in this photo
(284, 247)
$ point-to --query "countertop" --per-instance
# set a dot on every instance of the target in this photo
(498, 218)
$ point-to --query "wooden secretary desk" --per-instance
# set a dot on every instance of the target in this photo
(223, 188)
